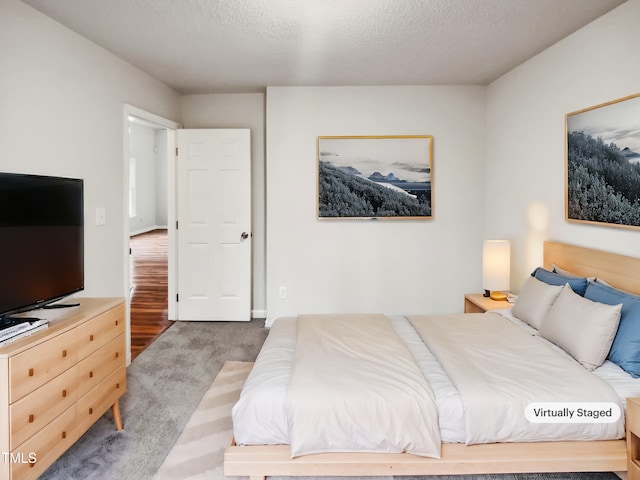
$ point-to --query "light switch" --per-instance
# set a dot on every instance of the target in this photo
(101, 216)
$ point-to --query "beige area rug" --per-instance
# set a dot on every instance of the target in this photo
(198, 453)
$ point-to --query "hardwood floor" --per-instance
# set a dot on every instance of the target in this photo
(149, 301)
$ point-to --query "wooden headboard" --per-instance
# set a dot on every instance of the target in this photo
(617, 270)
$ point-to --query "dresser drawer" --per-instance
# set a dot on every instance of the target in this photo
(34, 411)
(46, 446)
(100, 398)
(100, 330)
(40, 364)
(93, 369)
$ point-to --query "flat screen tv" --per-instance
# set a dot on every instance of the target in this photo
(41, 240)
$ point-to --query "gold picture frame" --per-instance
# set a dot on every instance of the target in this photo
(375, 177)
(602, 164)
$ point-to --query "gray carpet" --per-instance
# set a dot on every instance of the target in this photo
(165, 385)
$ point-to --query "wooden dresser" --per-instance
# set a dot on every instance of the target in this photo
(57, 382)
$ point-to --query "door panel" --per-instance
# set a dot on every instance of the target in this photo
(214, 210)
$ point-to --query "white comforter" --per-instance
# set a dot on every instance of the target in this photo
(355, 387)
(260, 416)
(483, 357)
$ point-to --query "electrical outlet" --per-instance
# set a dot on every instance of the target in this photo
(283, 293)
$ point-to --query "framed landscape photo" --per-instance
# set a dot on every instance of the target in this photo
(373, 177)
(603, 164)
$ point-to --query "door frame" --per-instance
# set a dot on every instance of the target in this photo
(171, 127)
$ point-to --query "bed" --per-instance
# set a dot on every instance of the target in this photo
(259, 461)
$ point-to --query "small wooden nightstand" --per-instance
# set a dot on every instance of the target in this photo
(478, 303)
(633, 442)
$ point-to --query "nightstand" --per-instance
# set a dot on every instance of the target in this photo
(478, 303)
(633, 442)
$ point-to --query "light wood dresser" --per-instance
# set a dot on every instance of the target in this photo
(57, 382)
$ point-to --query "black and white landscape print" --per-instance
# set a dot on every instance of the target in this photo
(603, 164)
(374, 177)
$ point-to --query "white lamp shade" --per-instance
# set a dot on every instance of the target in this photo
(496, 265)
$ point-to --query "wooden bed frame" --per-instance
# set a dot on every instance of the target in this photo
(609, 456)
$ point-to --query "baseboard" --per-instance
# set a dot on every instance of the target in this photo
(147, 229)
(258, 314)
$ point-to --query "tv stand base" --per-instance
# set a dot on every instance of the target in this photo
(60, 305)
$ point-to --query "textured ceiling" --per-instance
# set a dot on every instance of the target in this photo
(214, 46)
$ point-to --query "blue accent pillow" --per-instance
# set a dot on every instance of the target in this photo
(625, 350)
(577, 284)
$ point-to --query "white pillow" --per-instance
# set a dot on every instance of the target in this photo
(581, 327)
(534, 301)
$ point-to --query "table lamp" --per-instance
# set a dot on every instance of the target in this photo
(496, 268)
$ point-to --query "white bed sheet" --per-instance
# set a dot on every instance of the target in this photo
(259, 417)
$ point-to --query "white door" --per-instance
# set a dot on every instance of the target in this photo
(214, 224)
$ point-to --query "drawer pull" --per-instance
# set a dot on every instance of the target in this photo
(117, 385)
(31, 372)
(64, 434)
(117, 354)
(91, 338)
(31, 418)
(91, 374)
(117, 323)
(90, 411)
(64, 353)
(64, 393)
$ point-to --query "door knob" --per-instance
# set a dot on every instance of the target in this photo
(244, 235)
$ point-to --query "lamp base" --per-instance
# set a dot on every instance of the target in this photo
(498, 296)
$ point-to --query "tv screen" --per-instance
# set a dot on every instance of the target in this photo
(41, 240)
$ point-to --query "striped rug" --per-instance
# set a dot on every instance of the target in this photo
(198, 453)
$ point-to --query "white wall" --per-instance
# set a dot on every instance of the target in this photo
(162, 180)
(62, 103)
(149, 147)
(142, 140)
(239, 111)
(525, 155)
(62, 113)
(403, 266)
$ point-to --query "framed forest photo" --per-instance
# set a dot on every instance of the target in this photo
(603, 164)
(375, 177)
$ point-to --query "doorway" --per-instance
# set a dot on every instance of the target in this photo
(232, 275)
(148, 245)
(149, 165)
